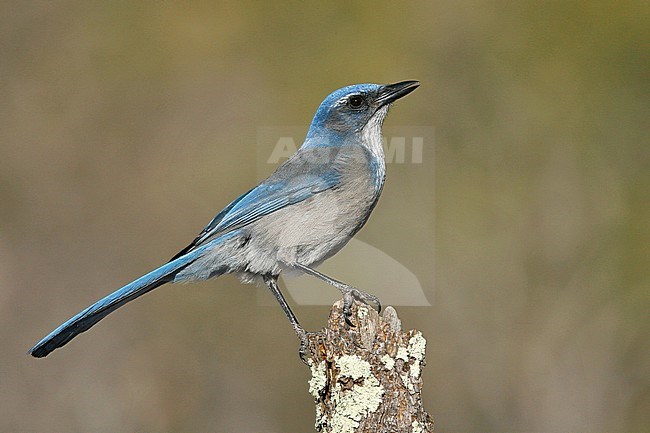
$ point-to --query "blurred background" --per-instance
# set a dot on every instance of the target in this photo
(125, 126)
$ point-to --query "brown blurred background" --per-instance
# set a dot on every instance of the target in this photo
(125, 126)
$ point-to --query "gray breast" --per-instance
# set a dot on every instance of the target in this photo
(314, 229)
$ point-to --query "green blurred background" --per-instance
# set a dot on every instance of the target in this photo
(124, 127)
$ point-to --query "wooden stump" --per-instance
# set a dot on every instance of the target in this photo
(367, 378)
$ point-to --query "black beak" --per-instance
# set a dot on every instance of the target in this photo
(392, 92)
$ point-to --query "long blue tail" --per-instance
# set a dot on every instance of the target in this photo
(85, 319)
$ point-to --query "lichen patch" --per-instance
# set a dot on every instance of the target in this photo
(318, 378)
(352, 404)
(388, 362)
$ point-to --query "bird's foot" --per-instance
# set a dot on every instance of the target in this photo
(350, 294)
(304, 351)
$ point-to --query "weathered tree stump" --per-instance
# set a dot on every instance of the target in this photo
(367, 378)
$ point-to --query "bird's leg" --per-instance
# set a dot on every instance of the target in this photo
(272, 282)
(349, 292)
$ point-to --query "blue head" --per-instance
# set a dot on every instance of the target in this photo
(346, 111)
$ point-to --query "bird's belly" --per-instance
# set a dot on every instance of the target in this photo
(310, 231)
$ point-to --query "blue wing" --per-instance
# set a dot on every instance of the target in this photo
(296, 180)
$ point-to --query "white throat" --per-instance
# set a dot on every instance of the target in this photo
(371, 139)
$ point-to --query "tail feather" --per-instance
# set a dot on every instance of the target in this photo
(85, 319)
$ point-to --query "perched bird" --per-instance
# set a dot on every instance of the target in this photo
(302, 214)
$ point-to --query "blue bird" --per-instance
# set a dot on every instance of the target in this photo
(302, 214)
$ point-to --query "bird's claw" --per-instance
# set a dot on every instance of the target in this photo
(303, 352)
(353, 293)
(348, 300)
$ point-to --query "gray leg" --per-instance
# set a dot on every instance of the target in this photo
(349, 292)
(272, 282)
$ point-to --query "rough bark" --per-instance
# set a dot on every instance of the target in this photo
(367, 378)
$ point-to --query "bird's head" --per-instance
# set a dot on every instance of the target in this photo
(348, 110)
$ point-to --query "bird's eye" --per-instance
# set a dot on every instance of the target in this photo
(356, 101)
